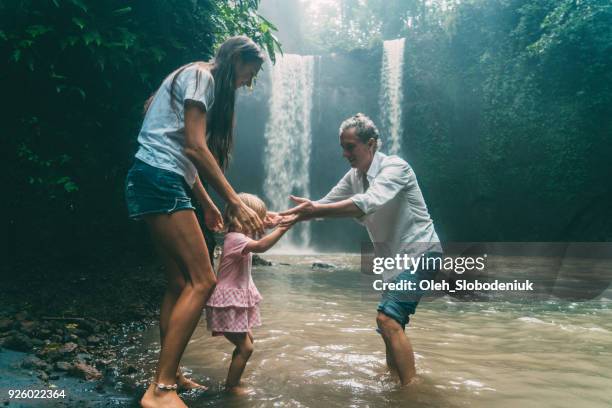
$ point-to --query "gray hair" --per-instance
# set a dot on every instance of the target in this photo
(365, 129)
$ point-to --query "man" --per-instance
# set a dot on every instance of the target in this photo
(382, 193)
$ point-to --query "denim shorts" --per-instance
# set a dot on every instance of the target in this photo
(399, 305)
(151, 190)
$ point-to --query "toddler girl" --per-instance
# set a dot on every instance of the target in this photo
(233, 308)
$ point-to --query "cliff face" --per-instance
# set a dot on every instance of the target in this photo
(486, 174)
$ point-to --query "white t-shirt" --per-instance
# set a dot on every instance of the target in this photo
(162, 136)
(395, 213)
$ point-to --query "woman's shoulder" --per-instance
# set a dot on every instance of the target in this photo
(198, 69)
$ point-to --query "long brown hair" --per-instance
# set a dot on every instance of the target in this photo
(220, 118)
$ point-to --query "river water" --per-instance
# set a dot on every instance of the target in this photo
(318, 347)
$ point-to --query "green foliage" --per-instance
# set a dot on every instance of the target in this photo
(507, 108)
(77, 73)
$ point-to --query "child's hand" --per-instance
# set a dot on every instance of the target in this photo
(213, 218)
(272, 219)
(287, 221)
(284, 227)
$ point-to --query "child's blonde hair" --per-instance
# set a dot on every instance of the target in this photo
(232, 221)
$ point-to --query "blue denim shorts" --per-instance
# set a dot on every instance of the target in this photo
(151, 190)
(399, 305)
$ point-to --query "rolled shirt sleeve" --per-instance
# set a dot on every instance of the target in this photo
(386, 185)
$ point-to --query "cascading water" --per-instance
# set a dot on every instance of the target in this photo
(391, 94)
(288, 138)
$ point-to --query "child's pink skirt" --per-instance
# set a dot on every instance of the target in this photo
(233, 310)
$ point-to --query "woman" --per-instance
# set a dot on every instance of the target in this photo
(187, 133)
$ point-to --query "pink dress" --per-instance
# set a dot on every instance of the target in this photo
(234, 304)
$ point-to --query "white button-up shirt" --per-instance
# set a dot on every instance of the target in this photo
(395, 213)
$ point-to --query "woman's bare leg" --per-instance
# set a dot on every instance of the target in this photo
(176, 282)
(240, 356)
(181, 238)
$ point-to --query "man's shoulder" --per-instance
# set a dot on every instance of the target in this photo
(394, 161)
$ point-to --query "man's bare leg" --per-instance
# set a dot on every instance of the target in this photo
(402, 354)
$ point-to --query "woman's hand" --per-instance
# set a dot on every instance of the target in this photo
(213, 218)
(251, 222)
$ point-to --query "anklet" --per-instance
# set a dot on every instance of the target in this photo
(165, 387)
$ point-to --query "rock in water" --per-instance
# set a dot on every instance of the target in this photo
(259, 261)
(323, 265)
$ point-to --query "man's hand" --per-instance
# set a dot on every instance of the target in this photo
(213, 218)
(304, 209)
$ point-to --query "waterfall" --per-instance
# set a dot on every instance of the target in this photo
(288, 138)
(391, 94)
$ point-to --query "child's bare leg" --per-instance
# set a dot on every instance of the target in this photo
(240, 356)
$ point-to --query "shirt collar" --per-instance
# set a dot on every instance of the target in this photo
(375, 165)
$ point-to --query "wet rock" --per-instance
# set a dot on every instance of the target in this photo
(18, 342)
(21, 316)
(80, 333)
(5, 324)
(102, 362)
(85, 371)
(63, 366)
(323, 265)
(50, 352)
(68, 348)
(93, 340)
(37, 342)
(88, 326)
(54, 377)
(43, 333)
(100, 388)
(129, 369)
(83, 357)
(33, 362)
(259, 261)
(27, 326)
(43, 376)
